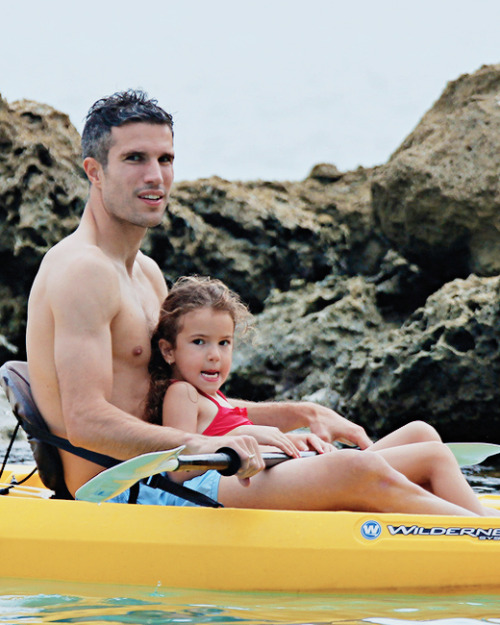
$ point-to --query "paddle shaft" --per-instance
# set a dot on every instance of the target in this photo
(222, 461)
(227, 462)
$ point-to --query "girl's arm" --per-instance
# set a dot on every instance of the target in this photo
(180, 410)
(181, 407)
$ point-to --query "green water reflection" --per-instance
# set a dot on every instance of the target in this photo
(52, 602)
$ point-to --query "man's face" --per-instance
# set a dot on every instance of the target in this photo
(136, 181)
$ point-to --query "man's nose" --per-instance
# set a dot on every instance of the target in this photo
(153, 174)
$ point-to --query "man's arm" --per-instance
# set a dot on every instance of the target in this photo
(84, 310)
(322, 421)
(84, 307)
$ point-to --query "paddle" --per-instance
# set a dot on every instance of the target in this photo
(468, 454)
(117, 479)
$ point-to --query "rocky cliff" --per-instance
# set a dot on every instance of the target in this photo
(42, 192)
(376, 291)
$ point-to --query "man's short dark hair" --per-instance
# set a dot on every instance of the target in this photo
(124, 107)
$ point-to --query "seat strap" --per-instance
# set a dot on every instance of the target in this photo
(63, 443)
(162, 481)
(9, 448)
(155, 481)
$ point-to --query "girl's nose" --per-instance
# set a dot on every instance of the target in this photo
(214, 353)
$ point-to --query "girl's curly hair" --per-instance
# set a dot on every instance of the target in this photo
(187, 294)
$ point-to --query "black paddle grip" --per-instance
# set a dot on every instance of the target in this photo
(234, 461)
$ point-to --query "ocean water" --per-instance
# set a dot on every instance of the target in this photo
(44, 602)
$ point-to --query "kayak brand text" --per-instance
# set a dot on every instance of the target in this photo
(482, 533)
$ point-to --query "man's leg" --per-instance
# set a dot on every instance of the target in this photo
(340, 480)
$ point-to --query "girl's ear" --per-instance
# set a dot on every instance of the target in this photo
(167, 351)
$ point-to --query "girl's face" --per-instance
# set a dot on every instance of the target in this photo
(203, 351)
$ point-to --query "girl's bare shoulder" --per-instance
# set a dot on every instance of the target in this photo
(182, 391)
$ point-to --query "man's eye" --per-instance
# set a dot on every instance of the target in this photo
(134, 158)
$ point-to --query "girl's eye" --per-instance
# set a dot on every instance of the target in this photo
(225, 342)
(198, 341)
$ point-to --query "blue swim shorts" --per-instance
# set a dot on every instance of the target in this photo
(208, 484)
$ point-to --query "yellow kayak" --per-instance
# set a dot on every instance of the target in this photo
(240, 549)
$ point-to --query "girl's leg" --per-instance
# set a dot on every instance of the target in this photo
(339, 480)
(433, 466)
(414, 432)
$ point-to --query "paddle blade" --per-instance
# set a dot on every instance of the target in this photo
(117, 479)
(468, 454)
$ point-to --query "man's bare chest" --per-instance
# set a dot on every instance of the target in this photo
(135, 322)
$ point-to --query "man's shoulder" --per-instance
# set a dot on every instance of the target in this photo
(71, 267)
(72, 255)
(147, 264)
(153, 273)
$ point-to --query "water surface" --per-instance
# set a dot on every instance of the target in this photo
(51, 602)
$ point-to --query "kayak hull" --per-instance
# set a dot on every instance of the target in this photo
(253, 550)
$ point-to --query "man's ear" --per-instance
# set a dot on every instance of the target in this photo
(93, 169)
(167, 351)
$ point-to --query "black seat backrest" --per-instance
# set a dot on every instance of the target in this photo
(14, 379)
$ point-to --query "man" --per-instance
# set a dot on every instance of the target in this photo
(92, 309)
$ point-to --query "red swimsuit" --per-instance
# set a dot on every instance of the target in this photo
(226, 418)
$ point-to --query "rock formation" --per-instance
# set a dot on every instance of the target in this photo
(257, 236)
(328, 342)
(362, 282)
(42, 191)
(438, 197)
(442, 365)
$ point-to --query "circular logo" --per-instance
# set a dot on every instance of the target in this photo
(371, 530)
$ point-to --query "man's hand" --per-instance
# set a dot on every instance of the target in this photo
(247, 449)
(330, 426)
(291, 415)
(245, 446)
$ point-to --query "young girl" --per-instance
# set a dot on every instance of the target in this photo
(191, 358)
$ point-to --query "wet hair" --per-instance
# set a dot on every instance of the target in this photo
(189, 293)
(124, 107)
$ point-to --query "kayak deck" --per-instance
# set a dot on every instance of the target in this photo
(240, 549)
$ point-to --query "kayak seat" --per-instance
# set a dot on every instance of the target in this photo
(14, 379)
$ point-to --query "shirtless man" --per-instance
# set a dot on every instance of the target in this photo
(91, 312)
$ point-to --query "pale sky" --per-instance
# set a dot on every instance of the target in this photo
(259, 88)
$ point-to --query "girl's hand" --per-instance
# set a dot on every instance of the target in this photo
(269, 435)
(305, 441)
